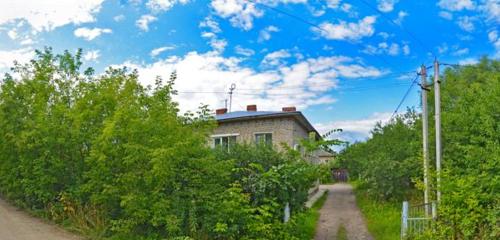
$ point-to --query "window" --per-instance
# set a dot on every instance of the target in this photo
(264, 138)
(224, 142)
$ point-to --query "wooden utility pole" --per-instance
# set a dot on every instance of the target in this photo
(437, 118)
(425, 135)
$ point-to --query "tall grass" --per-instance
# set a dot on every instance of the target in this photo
(382, 218)
(306, 222)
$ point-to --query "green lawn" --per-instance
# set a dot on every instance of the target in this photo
(383, 218)
(306, 222)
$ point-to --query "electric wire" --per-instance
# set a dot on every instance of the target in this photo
(422, 45)
(404, 97)
(300, 19)
(272, 92)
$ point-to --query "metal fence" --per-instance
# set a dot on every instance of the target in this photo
(416, 219)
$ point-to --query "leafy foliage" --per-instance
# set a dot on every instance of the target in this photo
(470, 184)
(115, 159)
(387, 162)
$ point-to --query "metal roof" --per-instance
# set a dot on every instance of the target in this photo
(248, 115)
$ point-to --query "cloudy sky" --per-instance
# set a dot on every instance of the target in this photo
(345, 64)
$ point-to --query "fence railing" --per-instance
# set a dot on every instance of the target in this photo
(416, 219)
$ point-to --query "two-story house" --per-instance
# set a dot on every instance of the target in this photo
(288, 126)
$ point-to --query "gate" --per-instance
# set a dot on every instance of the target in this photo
(340, 174)
(416, 219)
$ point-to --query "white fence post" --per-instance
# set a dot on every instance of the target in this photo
(404, 220)
(434, 210)
(286, 217)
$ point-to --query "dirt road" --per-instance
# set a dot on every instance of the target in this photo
(18, 225)
(340, 209)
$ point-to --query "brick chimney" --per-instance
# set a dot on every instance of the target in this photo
(289, 109)
(252, 108)
(221, 111)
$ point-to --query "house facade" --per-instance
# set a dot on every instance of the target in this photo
(287, 126)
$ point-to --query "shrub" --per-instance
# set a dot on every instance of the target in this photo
(117, 160)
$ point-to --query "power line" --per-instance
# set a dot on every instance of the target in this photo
(294, 87)
(300, 19)
(404, 97)
(269, 92)
(424, 47)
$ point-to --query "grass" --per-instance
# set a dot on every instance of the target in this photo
(382, 218)
(342, 233)
(306, 222)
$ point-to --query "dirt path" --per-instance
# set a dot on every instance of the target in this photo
(18, 225)
(340, 209)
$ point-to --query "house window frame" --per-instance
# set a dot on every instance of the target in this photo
(220, 136)
(259, 133)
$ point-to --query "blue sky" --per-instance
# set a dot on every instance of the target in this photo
(349, 74)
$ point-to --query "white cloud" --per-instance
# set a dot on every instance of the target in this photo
(27, 41)
(119, 18)
(356, 129)
(493, 36)
(144, 21)
(210, 23)
(346, 7)
(302, 84)
(406, 49)
(241, 13)
(157, 6)
(495, 40)
(488, 9)
(446, 15)
(460, 52)
(275, 58)
(401, 17)
(491, 8)
(12, 34)
(468, 61)
(333, 4)
(466, 23)
(265, 34)
(218, 44)
(247, 52)
(384, 35)
(348, 31)
(443, 48)
(48, 15)
(89, 34)
(155, 52)
(92, 56)
(7, 57)
(456, 5)
(386, 5)
(208, 35)
(160, 5)
(317, 12)
(392, 49)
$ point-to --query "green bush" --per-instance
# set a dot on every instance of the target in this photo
(389, 160)
(114, 159)
(470, 188)
(389, 163)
